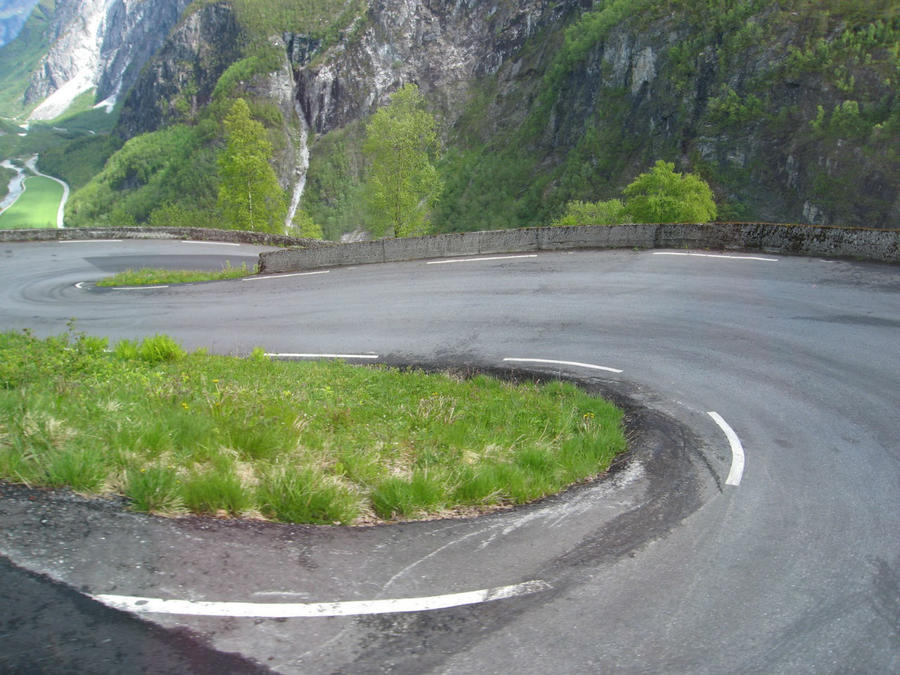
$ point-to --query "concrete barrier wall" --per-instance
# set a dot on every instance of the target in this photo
(880, 245)
(856, 243)
(179, 233)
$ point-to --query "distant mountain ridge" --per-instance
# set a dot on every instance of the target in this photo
(94, 44)
(13, 14)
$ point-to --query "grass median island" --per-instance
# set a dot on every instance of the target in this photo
(309, 442)
(149, 276)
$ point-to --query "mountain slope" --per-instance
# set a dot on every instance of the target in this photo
(788, 110)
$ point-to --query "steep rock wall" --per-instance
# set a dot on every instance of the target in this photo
(441, 45)
(186, 69)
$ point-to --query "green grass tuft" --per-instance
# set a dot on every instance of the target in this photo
(153, 489)
(304, 496)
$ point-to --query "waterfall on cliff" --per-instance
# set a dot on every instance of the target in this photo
(301, 167)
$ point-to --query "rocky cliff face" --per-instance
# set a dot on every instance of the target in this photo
(185, 71)
(98, 43)
(743, 110)
(737, 101)
(441, 45)
(134, 32)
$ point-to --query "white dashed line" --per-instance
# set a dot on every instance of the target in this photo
(285, 276)
(575, 364)
(463, 260)
(289, 355)
(713, 255)
(291, 610)
(737, 450)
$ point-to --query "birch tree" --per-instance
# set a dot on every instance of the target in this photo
(249, 195)
(402, 183)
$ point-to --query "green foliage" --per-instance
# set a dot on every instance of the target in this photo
(402, 183)
(334, 195)
(611, 212)
(305, 227)
(249, 195)
(844, 121)
(316, 18)
(663, 196)
(163, 169)
(583, 35)
(79, 160)
(311, 442)
(183, 215)
(729, 109)
(244, 71)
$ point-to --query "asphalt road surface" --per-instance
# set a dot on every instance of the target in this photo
(676, 562)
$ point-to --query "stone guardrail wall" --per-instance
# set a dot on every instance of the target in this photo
(178, 233)
(879, 245)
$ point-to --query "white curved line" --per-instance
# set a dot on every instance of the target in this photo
(713, 255)
(211, 243)
(285, 276)
(291, 610)
(576, 364)
(737, 450)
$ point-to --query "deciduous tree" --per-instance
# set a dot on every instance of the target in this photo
(663, 196)
(249, 195)
(402, 183)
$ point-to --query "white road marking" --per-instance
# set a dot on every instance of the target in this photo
(285, 276)
(136, 288)
(576, 364)
(462, 260)
(737, 450)
(80, 285)
(712, 255)
(289, 355)
(211, 243)
(290, 610)
(89, 241)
